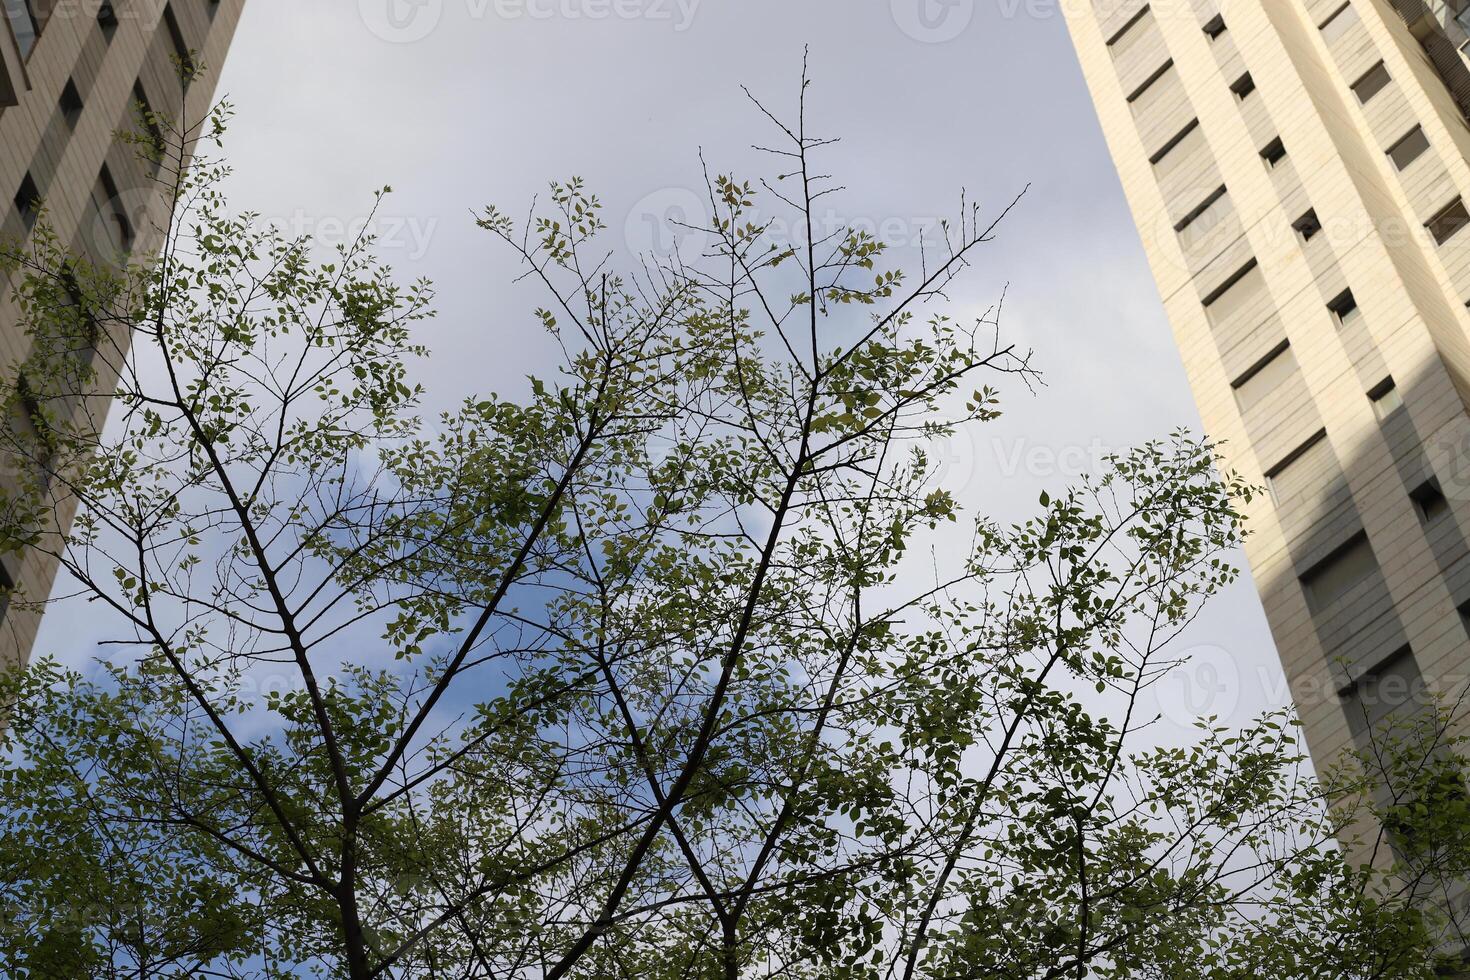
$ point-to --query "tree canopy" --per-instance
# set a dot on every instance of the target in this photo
(654, 672)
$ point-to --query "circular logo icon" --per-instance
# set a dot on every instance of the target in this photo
(1447, 455)
(115, 227)
(400, 21)
(668, 224)
(951, 460)
(932, 21)
(1205, 683)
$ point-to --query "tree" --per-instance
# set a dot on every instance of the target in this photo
(654, 672)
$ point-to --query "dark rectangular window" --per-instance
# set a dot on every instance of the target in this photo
(71, 104)
(1215, 27)
(7, 589)
(1386, 698)
(108, 212)
(1410, 147)
(1385, 398)
(1345, 308)
(1244, 85)
(1375, 81)
(176, 37)
(107, 20)
(1448, 221)
(28, 201)
(1429, 502)
(1339, 573)
(23, 24)
(1307, 226)
(144, 109)
(1274, 152)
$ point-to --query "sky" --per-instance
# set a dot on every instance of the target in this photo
(458, 104)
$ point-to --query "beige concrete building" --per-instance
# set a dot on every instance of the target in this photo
(1299, 172)
(72, 73)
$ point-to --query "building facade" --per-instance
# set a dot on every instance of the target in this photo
(1299, 172)
(72, 75)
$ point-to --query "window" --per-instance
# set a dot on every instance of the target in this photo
(24, 24)
(1336, 26)
(1244, 85)
(1240, 296)
(7, 589)
(1148, 82)
(211, 7)
(1307, 226)
(1448, 221)
(28, 201)
(71, 104)
(1409, 148)
(1127, 28)
(1264, 377)
(1385, 398)
(1200, 210)
(156, 144)
(107, 20)
(1372, 83)
(1190, 129)
(1306, 469)
(1387, 696)
(109, 215)
(1339, 573)
(1215, 27)
(1274, 152)
(1429, 502)
(1345, 308)
(181, 47)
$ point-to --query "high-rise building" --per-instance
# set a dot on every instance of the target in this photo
(72, 76)
(1299, 171)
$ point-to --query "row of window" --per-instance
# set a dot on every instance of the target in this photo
(27, 200)
(26, 24)
(1335, 576)
(1407, 148)
(1387, 687)
(1442, 226)
(1383, 690)
(1242, 290)
(106, 212)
